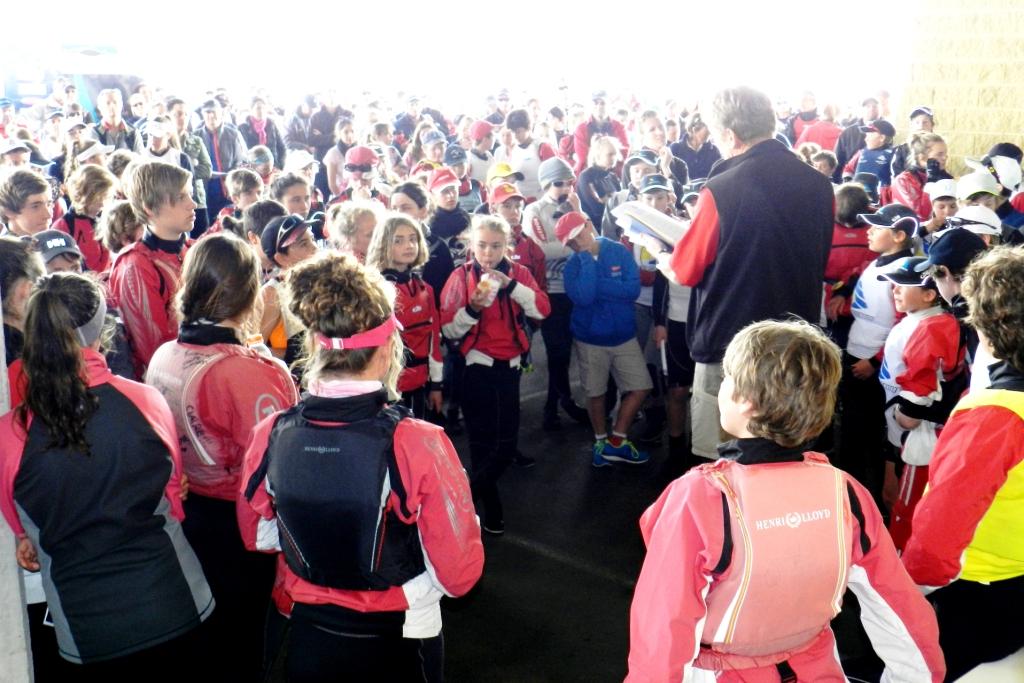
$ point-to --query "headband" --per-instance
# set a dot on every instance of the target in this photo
(364, 340)
(89, 331)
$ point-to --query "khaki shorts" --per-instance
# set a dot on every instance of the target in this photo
(704, 416)
(625, 362)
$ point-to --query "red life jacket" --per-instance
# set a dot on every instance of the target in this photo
(765, 606)
(95, 256)
(415, 309)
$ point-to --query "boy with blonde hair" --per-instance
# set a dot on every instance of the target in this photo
(748, 558)
(91, 188)
(145, 276)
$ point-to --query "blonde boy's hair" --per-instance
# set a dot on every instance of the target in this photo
(492, 222)
(790, 372)
(243, 180)
(342, 219)
(378, 254)
(602, 144)
(89, 183)
(117, 222)
(149, 185)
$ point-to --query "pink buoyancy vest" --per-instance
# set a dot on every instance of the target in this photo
(791, 531)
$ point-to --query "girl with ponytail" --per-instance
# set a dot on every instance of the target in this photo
(363, 568)
(91, 485)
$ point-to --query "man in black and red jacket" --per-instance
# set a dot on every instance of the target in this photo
(756, 248)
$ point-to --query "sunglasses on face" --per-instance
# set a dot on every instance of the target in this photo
(563, 183)
(361, 168)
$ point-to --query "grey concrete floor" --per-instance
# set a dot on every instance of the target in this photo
(553, 603)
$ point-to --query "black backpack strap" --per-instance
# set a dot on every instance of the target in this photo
(786, 672)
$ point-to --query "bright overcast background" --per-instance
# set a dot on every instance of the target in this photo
(455, 53)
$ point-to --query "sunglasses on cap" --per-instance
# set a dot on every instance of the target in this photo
(360, 168)
(563, 183)
(285, 231)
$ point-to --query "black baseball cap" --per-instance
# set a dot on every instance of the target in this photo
(52, 243)
(904, 272)
(895, 216)
(653, 182)
(879, 126)
(279, 231)
(454, 154)
(953, 248)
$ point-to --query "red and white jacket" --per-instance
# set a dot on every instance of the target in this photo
(908, 190)
(421, 333)
(83, 230)
(748, 559)
(144, 279)
(218, 390)
(441, 505)
(496, 332)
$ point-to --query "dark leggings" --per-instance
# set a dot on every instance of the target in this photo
(240, 581)
(558, 344)
(319, 656)
(978, 622)
(491, 409)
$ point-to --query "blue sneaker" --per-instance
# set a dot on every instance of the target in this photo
(598, 460)
(627, 453)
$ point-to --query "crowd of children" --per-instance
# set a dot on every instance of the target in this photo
(396, 274)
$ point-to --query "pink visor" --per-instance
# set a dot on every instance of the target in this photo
(364, 340)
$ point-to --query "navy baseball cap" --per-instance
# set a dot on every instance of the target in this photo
(895, 216)
(879, 126)
(953, 248)
(904, 272)
(454, 154)
(653, 182)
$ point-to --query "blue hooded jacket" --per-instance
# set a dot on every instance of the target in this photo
(603, 291)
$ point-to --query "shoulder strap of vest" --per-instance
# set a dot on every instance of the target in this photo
(858, 513)
(726, 559)
(261, 472)
(395, 414)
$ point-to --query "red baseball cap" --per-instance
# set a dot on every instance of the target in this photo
(502, 193)
(360, 155)
(570, 226)
(442, 178)
(478, 130)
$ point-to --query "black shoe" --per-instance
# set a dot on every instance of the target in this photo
(524, 462)
(551, 422)
(576, 412)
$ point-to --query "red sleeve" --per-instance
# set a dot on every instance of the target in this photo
(620, 133)
(137, 290)
(12, 436)
(153, 406)
(898, 620)
(17, 382)
(851, 165)
(255, 512)
(581, 147)
(932, 346)
(435, 326)
(545, 151)
(453, 296)
(699, 246)
(683, 531)
(906, 190)
(973, 456)
(439, 489)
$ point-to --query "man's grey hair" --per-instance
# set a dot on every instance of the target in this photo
(748, 113)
